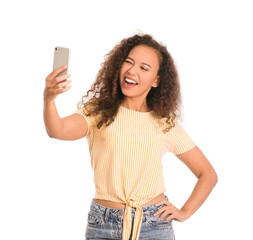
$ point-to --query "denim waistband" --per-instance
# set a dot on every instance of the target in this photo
(147, 210)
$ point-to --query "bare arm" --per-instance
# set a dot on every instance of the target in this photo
(68, 128)
(207, 179)
(196, 161)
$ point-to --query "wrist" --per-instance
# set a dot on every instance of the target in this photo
(48, 101)
(185, 213)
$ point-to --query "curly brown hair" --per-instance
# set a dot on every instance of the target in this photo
(164, 100)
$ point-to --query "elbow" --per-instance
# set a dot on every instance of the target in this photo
(55, 135)
(50, 134)
(215, 178)
(211, 176)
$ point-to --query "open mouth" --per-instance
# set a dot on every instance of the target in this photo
(130, 82)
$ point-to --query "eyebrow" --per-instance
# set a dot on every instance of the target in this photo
(141, 63)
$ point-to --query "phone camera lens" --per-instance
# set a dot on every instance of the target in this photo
(56, 49)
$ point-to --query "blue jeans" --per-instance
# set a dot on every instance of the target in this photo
(107, 223)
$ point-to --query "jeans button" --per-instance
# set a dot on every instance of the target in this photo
(119, 213)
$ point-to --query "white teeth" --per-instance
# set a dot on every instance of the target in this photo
(130, 81)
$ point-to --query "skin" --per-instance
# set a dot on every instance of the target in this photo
(56, 84)
(142, 66)
(197, 162)
(71, 127)
(74, 127)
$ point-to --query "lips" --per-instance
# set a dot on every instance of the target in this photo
(129, 80)
(129, 85)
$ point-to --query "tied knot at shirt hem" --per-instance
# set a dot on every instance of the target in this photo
(127, 220)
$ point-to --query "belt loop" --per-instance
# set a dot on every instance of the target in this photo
(106, 216)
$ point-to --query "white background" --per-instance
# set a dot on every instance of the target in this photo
(46, 185)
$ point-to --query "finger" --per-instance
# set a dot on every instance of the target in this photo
(165, 214)
(172, 216)
(57, 80)
(57, 89)
(63, 84)
(57, 71)
(63, 90)
(160, 211)
(166, 210)
(162, 202)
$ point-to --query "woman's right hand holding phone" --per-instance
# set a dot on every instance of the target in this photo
(68, 128)
(56, 84)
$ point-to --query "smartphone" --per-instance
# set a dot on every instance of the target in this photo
(61, 57)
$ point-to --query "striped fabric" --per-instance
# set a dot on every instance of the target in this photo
(126, 158)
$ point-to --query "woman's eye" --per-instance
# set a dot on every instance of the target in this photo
(127, 61)
(144, 68)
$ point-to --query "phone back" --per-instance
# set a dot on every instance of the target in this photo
(61, 57)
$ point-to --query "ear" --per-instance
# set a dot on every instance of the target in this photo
(156, 82)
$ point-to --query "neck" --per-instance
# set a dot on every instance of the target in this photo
(136, 106)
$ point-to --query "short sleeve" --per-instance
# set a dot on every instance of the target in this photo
(91, 120)
(182, 142)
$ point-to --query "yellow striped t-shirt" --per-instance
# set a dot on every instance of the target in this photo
(126, 158)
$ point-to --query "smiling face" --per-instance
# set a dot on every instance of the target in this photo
(141, 66)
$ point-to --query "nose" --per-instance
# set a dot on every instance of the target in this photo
(133, 70)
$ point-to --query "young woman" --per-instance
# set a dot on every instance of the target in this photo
(130, 121)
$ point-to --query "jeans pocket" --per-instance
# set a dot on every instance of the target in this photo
(154, 222)
(95, 219)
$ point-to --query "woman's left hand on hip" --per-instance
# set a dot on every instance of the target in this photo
(170, 210)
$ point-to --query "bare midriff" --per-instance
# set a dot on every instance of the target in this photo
(115, 205)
